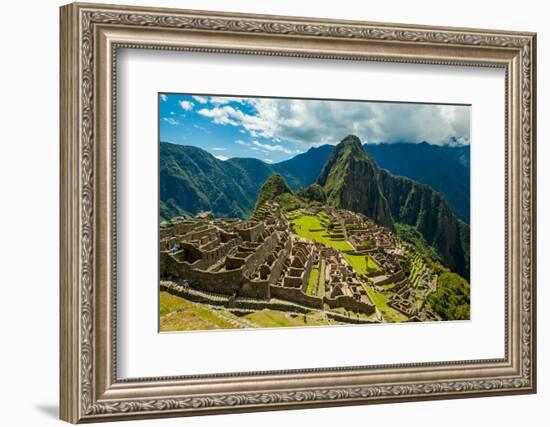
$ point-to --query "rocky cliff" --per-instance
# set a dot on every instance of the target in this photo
(351, 180)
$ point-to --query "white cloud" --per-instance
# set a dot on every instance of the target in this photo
(201, 99)
(219, 149)
(241, 142)
(316, 122)
(268, 161)
(222, 158)
(259, 149)
(186, 105)
(437, 124)
(269, 147)
(222, 115)
(163, 97)
(171, 121)
(222, 100)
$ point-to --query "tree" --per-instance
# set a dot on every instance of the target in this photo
(451, 300)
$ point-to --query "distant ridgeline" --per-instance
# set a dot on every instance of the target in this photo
(345, 175)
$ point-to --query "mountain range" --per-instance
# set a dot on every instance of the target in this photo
(444, 168)
(192, 180)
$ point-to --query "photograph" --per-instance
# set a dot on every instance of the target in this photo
(288, 208)
(293, 212)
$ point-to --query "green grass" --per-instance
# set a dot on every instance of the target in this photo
(371, 265)
(381, 302)
(188, 316)
(312, 284)
(324, 215)
(311, 227)
(362, 264)
(353, 314)
(304, 224)
(169, 303)
(275, 319)
(358, 262)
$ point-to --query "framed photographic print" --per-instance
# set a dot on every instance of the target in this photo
(265, 212)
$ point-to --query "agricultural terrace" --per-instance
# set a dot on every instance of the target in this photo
(179, 314)
(381, 301)
(316, 283)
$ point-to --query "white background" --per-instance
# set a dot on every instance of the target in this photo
(29, 173)
(141, 347)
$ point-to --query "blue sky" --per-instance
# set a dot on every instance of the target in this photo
(276, 129)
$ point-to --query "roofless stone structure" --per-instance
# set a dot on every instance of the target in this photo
(265, 263)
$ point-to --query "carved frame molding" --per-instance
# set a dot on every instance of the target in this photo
(90, 36)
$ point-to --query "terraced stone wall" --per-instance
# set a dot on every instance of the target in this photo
(350, 303)
(297, 296)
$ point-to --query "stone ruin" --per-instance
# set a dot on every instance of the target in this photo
(258, 260)
(263, 260)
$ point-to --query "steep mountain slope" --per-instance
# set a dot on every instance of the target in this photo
(427, 211)
(191, 180)
(256, 170)
(350, 179)
(444, 168)
(313, 193)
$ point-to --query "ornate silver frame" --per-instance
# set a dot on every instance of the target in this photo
(90, 35)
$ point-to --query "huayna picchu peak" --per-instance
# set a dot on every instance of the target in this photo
(350, 179)
(351, 142)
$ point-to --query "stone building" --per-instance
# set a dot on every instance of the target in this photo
(263, 259)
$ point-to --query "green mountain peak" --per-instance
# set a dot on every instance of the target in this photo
(351, 142)
(274, 186)
(276, 189)
(350, 180)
